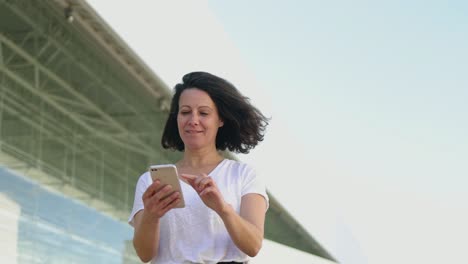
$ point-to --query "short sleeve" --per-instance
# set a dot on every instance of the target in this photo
(143, 183)
(253, 184)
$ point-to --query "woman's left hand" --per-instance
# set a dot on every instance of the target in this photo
(208, 191)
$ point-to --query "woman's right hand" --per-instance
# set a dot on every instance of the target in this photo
(158, 199)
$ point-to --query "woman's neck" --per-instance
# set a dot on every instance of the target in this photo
(200, 158)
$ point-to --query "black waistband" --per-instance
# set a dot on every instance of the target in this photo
(232, 262)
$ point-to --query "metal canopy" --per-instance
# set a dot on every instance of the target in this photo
(82, 114)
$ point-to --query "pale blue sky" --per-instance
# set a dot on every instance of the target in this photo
(385, 81)
(367, 146)
(381, 89)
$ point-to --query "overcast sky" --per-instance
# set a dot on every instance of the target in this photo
(367, 146)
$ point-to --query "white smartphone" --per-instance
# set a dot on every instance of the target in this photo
(167, 174)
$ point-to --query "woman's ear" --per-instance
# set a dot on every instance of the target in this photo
(221, 123)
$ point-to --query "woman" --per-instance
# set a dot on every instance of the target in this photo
(224, 216)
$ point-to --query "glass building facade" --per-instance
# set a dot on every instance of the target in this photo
(40, 225)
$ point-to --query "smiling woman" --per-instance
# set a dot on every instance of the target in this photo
(198, 120)
(223, 220)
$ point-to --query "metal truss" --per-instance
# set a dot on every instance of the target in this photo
(67, 100)
(70, 112)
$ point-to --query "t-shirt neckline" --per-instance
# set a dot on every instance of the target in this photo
(212, 172)
(217, 167)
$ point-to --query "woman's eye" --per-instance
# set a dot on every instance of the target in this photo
(184, 112)
(203, 114)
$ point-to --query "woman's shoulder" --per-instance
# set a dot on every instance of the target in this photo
(145, 178)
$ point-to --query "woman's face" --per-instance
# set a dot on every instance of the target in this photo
(197, 120)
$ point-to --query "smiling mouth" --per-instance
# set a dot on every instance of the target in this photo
(193, 132)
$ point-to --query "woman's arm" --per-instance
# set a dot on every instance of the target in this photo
(146, 245)
(146, 221)
(246, 229)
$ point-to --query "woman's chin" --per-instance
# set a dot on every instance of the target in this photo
(193, 145)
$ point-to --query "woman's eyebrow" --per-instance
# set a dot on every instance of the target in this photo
(205, 106)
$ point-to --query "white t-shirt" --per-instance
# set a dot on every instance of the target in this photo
(196, 234)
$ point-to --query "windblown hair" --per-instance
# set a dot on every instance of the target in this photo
(244, 125)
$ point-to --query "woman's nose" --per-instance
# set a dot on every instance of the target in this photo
(193, 119)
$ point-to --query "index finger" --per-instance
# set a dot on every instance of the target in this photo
(188, 176)
(191, 179)
(152, 188)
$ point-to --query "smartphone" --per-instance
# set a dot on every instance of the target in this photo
(167, 174)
